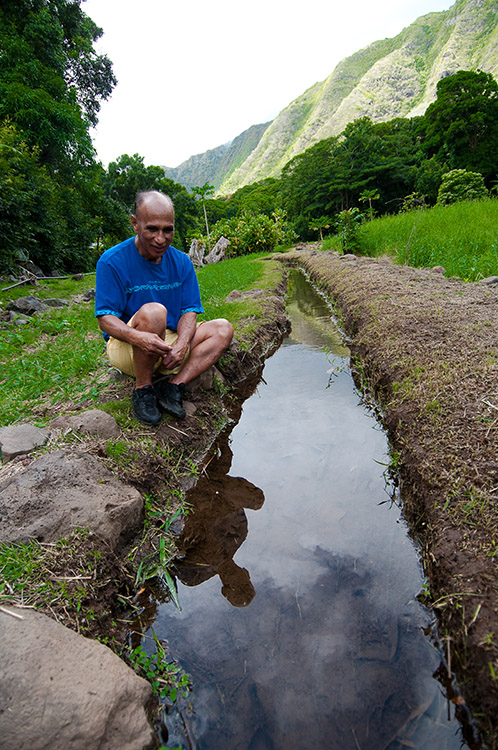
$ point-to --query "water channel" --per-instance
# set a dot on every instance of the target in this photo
(299, 622)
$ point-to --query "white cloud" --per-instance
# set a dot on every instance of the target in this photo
(193, 75)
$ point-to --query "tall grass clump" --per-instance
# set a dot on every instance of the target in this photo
(462, 237)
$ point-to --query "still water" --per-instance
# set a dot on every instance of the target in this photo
(300, 626)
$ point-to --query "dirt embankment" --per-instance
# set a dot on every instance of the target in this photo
(426, 347)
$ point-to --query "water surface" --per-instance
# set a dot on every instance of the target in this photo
(300, 625)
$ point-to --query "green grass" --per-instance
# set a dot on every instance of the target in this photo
(462, 237)
(219, 279)
(54, 358)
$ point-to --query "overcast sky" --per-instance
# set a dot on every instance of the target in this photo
(193, 74)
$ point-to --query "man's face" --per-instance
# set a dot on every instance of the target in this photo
(155, 227)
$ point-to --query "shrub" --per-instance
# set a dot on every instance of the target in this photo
(461, 185)
(253, 233)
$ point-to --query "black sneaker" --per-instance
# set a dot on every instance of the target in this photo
(144, 403)
(170, 398)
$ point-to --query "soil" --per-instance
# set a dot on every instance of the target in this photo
(425, 349)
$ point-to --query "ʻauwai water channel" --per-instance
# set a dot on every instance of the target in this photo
(299, 622)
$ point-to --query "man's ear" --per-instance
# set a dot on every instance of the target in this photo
(134, 222)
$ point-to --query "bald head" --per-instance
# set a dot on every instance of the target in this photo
(154, 224)
(154, 199)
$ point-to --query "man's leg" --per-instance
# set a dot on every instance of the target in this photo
(152, 319)
(210, 340)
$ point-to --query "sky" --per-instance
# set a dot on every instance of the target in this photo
(194, 74)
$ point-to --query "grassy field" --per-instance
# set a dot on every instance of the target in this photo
(57, 358)
(462, 237)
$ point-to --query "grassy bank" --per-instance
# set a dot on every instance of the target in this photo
(462, 237)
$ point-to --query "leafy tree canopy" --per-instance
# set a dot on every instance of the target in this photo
(461, 126)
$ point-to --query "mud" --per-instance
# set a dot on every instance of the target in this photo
(425, 349)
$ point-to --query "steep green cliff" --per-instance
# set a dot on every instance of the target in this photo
(390, 78)
(219, 163)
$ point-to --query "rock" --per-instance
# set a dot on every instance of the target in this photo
(89, 295)
(61, 690)
(65, 490)
(489, 280)
(78, 276)
(438, 269)
(56, 302)
(19, 439)
(204, 380)
(90, 422)
(28, 305)
(190, 408)
(348, 256)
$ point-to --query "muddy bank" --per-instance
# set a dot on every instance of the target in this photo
(425, 347)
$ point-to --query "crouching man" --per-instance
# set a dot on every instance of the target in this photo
(146, 303)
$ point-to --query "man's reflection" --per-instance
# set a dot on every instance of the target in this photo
(216, 528)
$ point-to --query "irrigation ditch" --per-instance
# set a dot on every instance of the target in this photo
(424, 348)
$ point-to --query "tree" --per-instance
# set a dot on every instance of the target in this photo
(202, 192)
(461, 126)
(51, 85)
(367, 196)
(318, 225)
(460, 185)
(51, 79)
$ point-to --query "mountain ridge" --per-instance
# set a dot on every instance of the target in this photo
(392, 77)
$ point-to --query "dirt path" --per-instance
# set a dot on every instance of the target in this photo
(426, 347)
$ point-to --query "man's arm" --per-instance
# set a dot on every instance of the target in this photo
(150, 343)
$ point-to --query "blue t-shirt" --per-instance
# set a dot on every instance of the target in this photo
(126, 281)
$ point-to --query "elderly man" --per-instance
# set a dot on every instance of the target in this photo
(146, 304)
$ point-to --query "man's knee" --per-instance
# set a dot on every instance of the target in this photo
(150, 317)
(223, 330)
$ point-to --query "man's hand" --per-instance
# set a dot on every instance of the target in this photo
(151, 344)
(175, 356)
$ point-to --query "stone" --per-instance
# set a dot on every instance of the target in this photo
(61, 690)
(89, 295)
(64, 490)
(78, 276)
(19, 439)
(89, 422)
(56, 302)
(438, 269)
(28, 305)
(204, 380)
(489, 280)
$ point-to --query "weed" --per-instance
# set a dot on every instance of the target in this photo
(165, 675)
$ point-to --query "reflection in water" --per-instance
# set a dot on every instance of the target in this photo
(330, 652)
(217, 528)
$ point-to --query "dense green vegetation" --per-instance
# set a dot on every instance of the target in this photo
(60, 208)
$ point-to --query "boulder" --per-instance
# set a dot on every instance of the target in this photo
(19, 439)
(61, 690)
(89, 422)
(28, 305)
(65, 490)
(56, 302)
